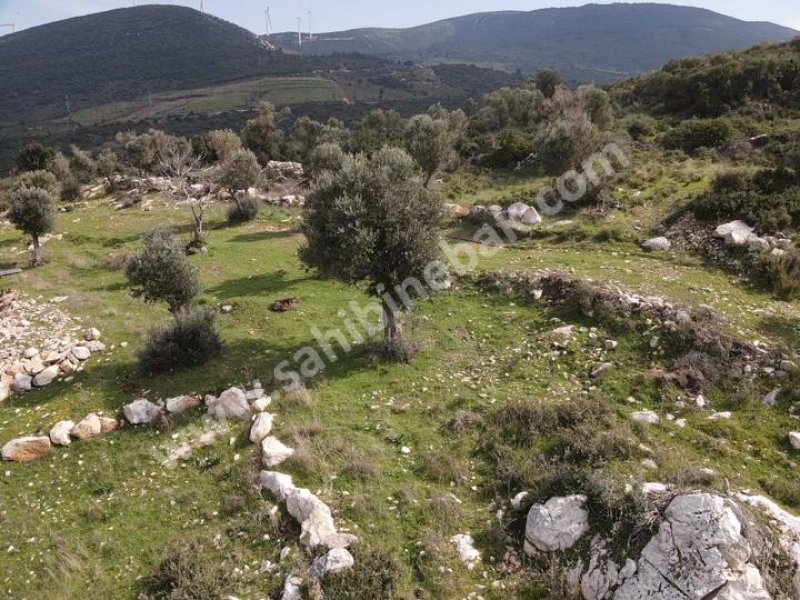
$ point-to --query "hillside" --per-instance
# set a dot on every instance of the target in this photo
(593, 42)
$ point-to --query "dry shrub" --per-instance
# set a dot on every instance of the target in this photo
(297, 396)
(464, 420)
(379, 574)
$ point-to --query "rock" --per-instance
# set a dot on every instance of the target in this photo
(602, 371)
(107, 424)
(261, 404)
(35, 365)
(30, 353)
(292, 588)
(720, 416)
(646, 416)
(771, 399)
(60, 433)
(466, 551)
(92, 335)
(232, 404)
(25, 449)
(279, 484)
(22, 383)
(180, 404)
(659, 244)
(88, 428)
(261, 427)
(5, 390)
(516, 501)
(556, 525)
(46, 377)
(254, 394)
(698, 552)
(141, 412)
(740, 227)
(95, 346)
(279, 169)
(314, 516)
(273, 452)
(81, 353)
(794, 439)
(565, 333)
(522, 213)
(336, 560)
(611, 344)
(757, 244)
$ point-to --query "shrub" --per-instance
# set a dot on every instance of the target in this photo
(82, 165)
(184, 574)
(34, 157)
(694, 134)
(547, 81)
(32, 213)
(565, 141)
(243, 210)
(44, 180)
(191, 341)
(641, 126)
(326, 157)
(162, 272)
(782, 273)
(512, 146)
(71, 190)
(378, 574)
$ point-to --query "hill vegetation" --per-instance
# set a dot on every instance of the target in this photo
(598, 43)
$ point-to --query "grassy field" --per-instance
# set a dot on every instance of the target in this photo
(96, 519)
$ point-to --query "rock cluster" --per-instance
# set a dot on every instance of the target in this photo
(279, 170)
(519, 212)
(39, 343)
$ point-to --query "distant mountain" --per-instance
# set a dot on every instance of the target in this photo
(590, 43)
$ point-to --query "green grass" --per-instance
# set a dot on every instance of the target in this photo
(91, 519)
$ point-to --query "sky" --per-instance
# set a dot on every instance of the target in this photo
(335, 15)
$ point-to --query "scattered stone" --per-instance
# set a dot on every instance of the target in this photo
(335, 561)
(720, 416)
(646, 416)
(88, 428)
(22, 383)
(107, 424)
(292, 588)
(659, 244)
(261, 404)
(261, 427)
(771, 399)
(611, 344)
(602, 371)
(274, 452)
(60, 433)
(141, 412)
(26, 449)
(92, 335)
(232, 404)
(284, 305)
(81, 353)
(556, 525)
(466, 551)
(180, 404)
(516, 501)
(46, 377)
(31, 352)
(794, 439)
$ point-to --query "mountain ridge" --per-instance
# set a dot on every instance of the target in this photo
(591, 42)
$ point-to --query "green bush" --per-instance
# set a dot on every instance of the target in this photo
(694, 134)
(43, 180)
(71, 190)
(191, 341)
(782, 273)
(34, 157)
(513, 145)
(243, 210)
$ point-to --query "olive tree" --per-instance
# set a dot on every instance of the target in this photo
(429, 142)
(240, 172)
(262, 134)
(161, 272)
(548, 81)
(108, 165)
(373, 220)
(218, 146)
(180, 164)
(32, 212)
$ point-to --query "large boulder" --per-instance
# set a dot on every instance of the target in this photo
(261, 427)
(25, 449)
(141, 412)
(89, 427)
(180, 404)
(522, 213)
(658, 244)
(335, 561)
(556, 525)
(699, 552)
(22, 383)
(46, 377)
(314, 516)
(232, 404)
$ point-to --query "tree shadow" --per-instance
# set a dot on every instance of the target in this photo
(785, 329)
(256, 285)
(266, 236)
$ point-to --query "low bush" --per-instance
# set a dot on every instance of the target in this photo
(694, 134)
(782, 273)
(71, 190)
(191, 341)
(245, 209)
(379, 574)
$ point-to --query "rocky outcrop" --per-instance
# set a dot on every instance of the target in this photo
(556, 525)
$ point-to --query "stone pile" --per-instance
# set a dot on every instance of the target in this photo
(39, 343)
(519, 213)
(279, 170)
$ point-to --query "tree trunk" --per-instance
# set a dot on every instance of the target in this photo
(392, 327)
(37, 251)
(429, 178)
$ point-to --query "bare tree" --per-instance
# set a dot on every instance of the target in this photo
(181, 165)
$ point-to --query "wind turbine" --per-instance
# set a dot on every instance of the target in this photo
(268, 18)
(299, 31)
(310, 30)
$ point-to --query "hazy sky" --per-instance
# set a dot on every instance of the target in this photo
(332, 15)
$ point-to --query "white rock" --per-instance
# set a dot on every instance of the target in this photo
(232, 404)
(794, 439)
(720, 416)
(92, 335)
(81, 353)
(466, 551)
(25, 449)
(46, 377)
(646, 416)
(261, 427)
(279, 484)
(60, 433)
(22, 383)
(292, 588)
(740, 227)
(274, 452)
(88, 428)
(141, 412)
(335, 561)
(31, 352)
(261, 404)
(556, 525)
(611, 344)
(516, 501)
(659, 244)
(254, 395)
(180, 404)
